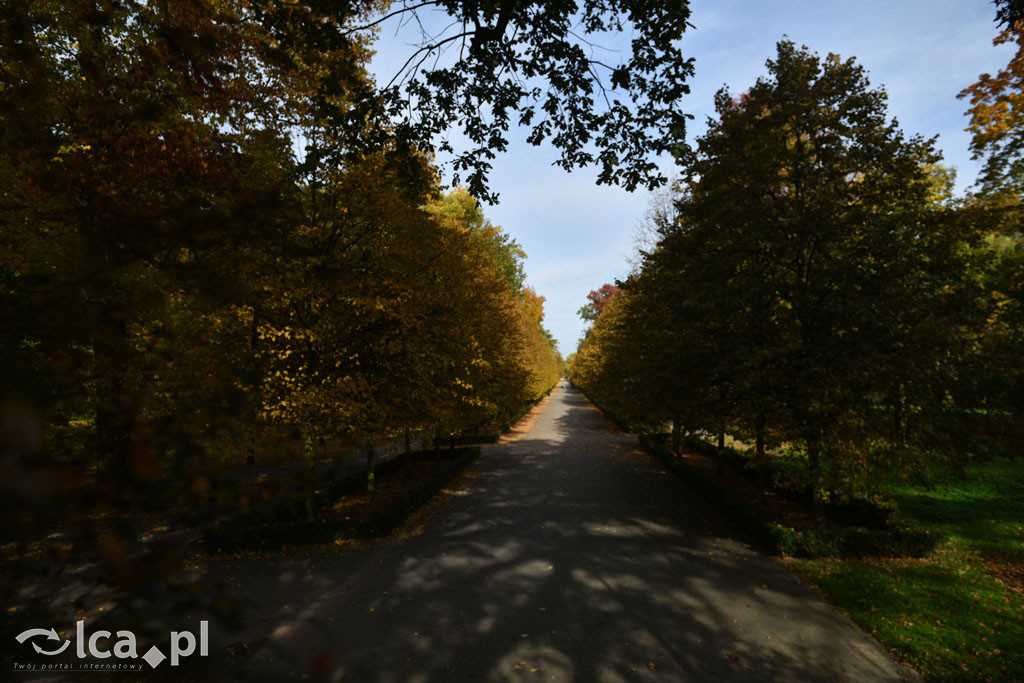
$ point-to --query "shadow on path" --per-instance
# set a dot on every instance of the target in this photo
(572, 556)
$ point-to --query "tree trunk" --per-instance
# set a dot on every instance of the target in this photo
(310, 459)
(899, 416)
(760, 459)
(814, 472)
(371, 480)
(407, 454)
(720, 454)
(257, 382)
(677, 437)
(114, 417)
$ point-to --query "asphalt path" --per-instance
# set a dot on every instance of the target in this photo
(567, 555)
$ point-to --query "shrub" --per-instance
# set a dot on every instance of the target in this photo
(891, 539)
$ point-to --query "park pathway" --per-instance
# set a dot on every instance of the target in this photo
(570, 556)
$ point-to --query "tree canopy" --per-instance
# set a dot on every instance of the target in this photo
(1009, 12)
(219, 246)
(545, 66)
(598, 301)
(811, 275)
(997, 120)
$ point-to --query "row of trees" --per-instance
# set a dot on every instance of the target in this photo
(815, 283)
(208, 236)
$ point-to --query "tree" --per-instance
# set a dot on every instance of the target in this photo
(997, 120)
(605, 365)
(994, 382)
(511, 360)
(818, 219)
(231, 118)
(997, 130)
(1009, 12)
(459, 206)
(534, 304)
(213, 239)
(101, 93)
(599, 299)
(810, 285)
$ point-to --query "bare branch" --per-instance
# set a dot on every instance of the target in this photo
(366, 27)
(428, 49)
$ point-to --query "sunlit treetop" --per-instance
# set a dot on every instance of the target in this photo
(997, 114)
(598, 302)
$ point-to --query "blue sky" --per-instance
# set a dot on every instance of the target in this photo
(579, 235)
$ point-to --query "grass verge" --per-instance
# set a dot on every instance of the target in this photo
(958, 614)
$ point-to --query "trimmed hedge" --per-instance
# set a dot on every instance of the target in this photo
(478, 439)
(248, 534)
(281, 523)
(852, 542)
(894, 540)
(853, 512)
(621, 424)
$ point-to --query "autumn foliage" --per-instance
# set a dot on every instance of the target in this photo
(598, 301)
(203, 264)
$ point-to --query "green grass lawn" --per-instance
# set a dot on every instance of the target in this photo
(959, 614)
